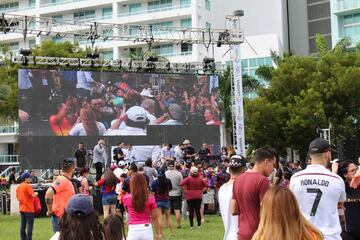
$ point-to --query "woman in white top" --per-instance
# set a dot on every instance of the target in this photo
(236, 167)
(88, 125)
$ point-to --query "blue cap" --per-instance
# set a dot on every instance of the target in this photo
(25, 175)
(80, 205)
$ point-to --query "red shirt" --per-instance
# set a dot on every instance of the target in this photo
(248, 191)
(193, 187)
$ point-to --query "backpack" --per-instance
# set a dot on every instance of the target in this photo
(37, 205)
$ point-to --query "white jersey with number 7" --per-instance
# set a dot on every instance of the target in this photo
(318, 192)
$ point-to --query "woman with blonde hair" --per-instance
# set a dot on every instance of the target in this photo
(87, 124)
(281, 219)
(230, 151)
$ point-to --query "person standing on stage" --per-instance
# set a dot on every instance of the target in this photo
(99, 158)
(80, 155)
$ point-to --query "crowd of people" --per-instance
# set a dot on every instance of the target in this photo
(265, 198)
(85, 103)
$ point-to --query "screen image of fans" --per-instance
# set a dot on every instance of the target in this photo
(94, 103)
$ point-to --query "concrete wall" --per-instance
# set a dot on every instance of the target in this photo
(299, 43)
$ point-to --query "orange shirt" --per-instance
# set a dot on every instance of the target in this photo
(64, 189)
(24, 194)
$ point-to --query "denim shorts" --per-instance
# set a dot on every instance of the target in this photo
(108, 200)
(163, 204)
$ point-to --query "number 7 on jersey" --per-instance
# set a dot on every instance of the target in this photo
(317, 199)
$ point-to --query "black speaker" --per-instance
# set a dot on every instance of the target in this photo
(347, 150)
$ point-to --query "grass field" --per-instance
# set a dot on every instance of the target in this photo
(212, 229)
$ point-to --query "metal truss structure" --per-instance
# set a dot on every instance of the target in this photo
(92, 31)
(102, 31)
(130, 65)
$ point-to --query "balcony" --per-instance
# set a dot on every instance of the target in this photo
(346, 6)
(60, 3)
(6, 130)
(8, 159)
(156, 10)
(176, 54)
(17, 9)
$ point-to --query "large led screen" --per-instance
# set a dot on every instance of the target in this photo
(138, 108)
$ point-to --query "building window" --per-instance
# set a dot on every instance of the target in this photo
(186, 23)
(14, 46)
(107, 13)
(134, 8)
(134, 30)
(57, 39)
(32, 3)
(164, 50)
(158, 26)
(9, 6)
(350, 27)
(108, 32)
(87, 15)
(249, 66)
(207, 5)
(107, 55)
(155, 5)
(32, 43)
(32, 24)
(57, 18)
(186, 48)
(185, 3)
(208, 25)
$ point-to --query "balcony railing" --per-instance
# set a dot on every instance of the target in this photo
(154, 10)
(59, 3)
(176, 54)
(346, 5)
(9, 129)
(17, 9)
(8, 159)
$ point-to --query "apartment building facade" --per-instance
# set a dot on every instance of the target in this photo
(345, 20)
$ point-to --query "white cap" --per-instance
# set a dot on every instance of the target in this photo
(121, 163)
(146, 93)
(136, 114)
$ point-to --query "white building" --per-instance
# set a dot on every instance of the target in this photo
(159, 13)
(8, 156)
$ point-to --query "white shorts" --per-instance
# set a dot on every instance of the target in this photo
(209, 197)
(140, 232)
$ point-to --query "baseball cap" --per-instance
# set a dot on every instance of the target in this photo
(25, 175)
(194, 169)
(319, 145)
(121, 163)
(237, 161)
(136, 114)
(146, 93)
(175, 111)
(68, 161)
(80, 205)
(171, 164)
(186, 141)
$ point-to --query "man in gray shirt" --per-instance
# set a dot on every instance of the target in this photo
(150, 171)
(99, 157)
(176, 193)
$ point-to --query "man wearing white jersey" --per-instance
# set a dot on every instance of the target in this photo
(320, 192)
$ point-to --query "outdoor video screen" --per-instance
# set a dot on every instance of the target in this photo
(63, 106)
(94, 103)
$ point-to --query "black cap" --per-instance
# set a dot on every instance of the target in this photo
(171, 164)
(237, 161)
(319, 145)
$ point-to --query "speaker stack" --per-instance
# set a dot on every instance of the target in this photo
(347, 150)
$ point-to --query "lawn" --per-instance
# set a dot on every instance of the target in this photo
(211, 229)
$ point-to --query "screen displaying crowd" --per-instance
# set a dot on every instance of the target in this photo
(94, 103)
